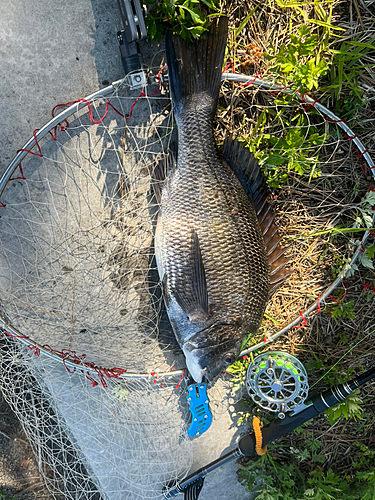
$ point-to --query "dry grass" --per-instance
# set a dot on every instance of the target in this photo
(305, 206)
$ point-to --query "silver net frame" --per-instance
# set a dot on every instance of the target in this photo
(141, 412)
(60, 118)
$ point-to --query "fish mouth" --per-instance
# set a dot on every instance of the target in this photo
(197, 371)
(206, 360)
(193, 367)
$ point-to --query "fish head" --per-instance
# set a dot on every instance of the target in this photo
(211, 350)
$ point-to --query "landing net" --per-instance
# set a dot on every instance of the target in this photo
(90, 363)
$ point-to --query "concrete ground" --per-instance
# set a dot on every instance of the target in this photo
(52, 52)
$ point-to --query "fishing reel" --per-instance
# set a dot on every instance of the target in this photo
(277, 382)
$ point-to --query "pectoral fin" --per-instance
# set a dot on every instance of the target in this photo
(189, 287)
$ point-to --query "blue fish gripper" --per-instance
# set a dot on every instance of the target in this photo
(199, 407)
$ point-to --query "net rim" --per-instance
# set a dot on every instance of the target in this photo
(121, 85)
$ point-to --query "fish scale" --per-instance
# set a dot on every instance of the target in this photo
(201, 211)
(209, 245)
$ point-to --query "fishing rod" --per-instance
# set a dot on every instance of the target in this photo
(192, 485)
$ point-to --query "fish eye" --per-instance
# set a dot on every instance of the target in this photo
(229, 358)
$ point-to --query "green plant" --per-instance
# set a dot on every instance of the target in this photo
(341, 309)
(347, 66)
(238, 371)
(293, 150)
(363, 220)
(299, 63)
(299, 475)
(349, 408)
(4, 496)
(189, 19)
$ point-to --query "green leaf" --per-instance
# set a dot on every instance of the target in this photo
(244, 22)
(371, 251)
(365, 260)
(325, 25)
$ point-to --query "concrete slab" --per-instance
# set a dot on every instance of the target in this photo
(53, 52)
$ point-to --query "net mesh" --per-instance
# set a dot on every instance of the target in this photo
(77, 267)
(78, 279)
(80, 288)
(124, 440)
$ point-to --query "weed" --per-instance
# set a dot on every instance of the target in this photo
(299, 64)
(349, 408)
(4, 496)
(346, 67)
(238, 371)
(189, 19)
(283, 476)
(293, 150)
(341, 309)
(332, 375)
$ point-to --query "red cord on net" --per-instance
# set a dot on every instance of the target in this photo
(160, 84)
(142, 94)
(345, 283)
(366, 286)
(277, 91)
(37, 145)
(181, 379)
(15, 336)
(258, 75)
(361, 156)
(79, 359)
(22, 177)
(311, 105)
(304, 322)
(95, 122)
(35, 349)
(229, 65)
(53, 134)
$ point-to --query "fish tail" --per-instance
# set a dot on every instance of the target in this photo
(195, 68)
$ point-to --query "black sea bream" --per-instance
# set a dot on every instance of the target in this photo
(215, 236)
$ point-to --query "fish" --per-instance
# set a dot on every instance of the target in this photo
(216, 245)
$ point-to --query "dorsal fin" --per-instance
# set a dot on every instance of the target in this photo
(247, 170)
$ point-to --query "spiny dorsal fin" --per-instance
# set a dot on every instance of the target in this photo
(247, 170)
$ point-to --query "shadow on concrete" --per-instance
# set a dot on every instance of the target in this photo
(106, 51)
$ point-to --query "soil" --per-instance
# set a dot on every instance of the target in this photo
(19, 476)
